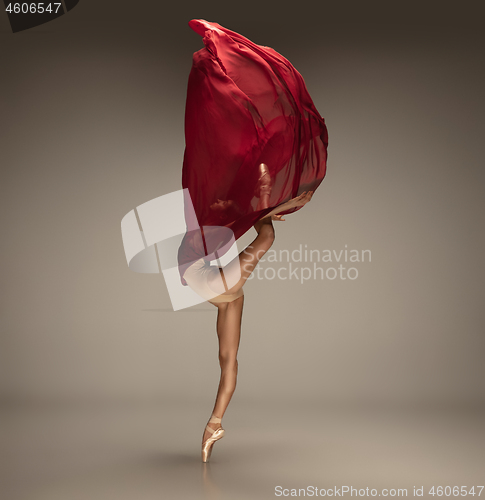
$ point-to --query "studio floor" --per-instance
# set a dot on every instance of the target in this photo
(149, 451)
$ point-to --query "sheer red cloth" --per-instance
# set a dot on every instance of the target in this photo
(246, 106)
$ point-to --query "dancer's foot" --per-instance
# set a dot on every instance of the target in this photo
(213, 432)
(263, 187)
(208, 434)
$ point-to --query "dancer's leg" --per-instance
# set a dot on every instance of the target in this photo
(235, 274)
(228, 331)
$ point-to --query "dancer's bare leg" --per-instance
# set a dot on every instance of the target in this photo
(228, 331)
(236, 273)
(230, 313)
(229, 323)
(229, 317)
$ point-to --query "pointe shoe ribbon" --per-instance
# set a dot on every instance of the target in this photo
(216, 434)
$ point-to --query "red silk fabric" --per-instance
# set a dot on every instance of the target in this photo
(246, 105)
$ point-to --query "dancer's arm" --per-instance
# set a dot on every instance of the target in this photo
(299, 201)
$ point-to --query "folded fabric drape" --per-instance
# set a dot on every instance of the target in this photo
(246, 106)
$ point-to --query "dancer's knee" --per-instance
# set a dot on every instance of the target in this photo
(228, 360)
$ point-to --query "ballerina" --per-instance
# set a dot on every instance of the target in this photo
(256, 150)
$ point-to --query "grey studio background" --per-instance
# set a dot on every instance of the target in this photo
(375, 382)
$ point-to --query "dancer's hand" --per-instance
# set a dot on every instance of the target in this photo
(277, 217)
(299, 201)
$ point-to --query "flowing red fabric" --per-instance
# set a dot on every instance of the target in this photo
(246, 105)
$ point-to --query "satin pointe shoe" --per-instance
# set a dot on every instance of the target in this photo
(209, 442)
(264, 184)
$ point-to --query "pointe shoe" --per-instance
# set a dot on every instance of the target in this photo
(265, 181)
(209, 442)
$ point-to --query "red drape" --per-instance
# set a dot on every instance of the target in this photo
(246, 105)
